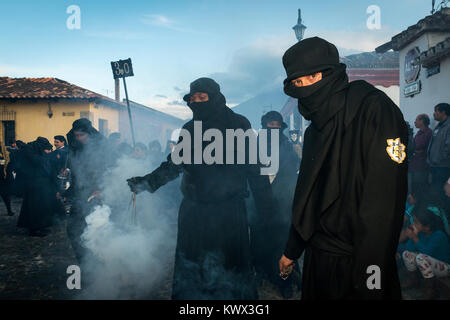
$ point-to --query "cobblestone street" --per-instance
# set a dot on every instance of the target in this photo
(35, 268)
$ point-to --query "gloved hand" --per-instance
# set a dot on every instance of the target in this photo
(137, 184)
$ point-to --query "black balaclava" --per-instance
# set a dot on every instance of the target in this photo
(206, 110)
(273, 116)
(83, 125)
(39, 145)
(308, 57)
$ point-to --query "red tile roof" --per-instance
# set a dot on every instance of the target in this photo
(46, 88)
(376, 77)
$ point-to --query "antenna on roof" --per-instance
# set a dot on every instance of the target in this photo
(442, 4)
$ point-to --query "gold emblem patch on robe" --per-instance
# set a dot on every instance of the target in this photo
(396, 150)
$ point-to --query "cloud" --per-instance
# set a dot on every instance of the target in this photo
(171, 105)
(160, 96)
(362, 40)
(258, 67)
(162, 21)
(159, 20)
(121, 35)
(254, 69)
(177, 103)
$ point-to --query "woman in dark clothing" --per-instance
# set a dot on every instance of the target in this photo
(39, 200)
(419, 169)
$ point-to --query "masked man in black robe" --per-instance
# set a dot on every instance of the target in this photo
(212, 259)
(268, 245)
(351, 191)
(89, 159)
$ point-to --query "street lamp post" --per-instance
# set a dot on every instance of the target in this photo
(299, 28)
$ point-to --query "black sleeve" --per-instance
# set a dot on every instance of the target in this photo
(295, 245)
(259, 186)
(378, 222)
(166, 172)
(262, 192)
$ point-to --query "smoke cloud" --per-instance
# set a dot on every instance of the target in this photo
(128, 260)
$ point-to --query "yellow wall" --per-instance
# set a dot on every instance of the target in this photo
(32, 119)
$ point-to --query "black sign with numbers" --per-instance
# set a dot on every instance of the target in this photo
(122, 68)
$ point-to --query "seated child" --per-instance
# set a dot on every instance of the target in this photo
(427, 248)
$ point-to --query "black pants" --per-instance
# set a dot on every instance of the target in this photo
(75, 227)
(328, 276)
(212, 259)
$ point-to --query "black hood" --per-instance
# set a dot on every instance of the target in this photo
(215, 104)
(39, 145)
(308, 57)
(272, 116)
(83, 125)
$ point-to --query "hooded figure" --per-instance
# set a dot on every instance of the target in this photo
(212, 259)
(89, 158)
(351, 190)
(283, 183)
(39, 201)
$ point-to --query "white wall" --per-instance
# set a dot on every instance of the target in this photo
(392, 92)
(435, 89)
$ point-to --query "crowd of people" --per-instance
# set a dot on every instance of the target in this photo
(38, 172)
(424, 248)
(339, 196)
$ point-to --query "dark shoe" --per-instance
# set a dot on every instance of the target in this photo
(429, 291)
(411, 280)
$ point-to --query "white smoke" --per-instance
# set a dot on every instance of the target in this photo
(128, 260)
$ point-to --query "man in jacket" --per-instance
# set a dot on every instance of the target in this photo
(352, 186)
(439, 148)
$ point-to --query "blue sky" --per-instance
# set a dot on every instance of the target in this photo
(237, 42)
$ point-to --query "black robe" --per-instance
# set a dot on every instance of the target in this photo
(39, 201)
(349, 202)
(212, 259)
(87, 164)
(268, 244)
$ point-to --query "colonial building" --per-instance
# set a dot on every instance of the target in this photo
(424, 54)
(32, 107)
(149, 124)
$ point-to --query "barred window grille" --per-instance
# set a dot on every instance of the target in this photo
(7, 115)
